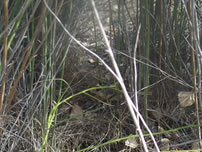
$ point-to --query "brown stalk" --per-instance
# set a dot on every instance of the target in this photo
(191, 15)
(12, 92)
(5, 5)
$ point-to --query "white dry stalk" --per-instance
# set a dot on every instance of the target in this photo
(131, 106)
(117, 76)
(120, 79)
(135, 68)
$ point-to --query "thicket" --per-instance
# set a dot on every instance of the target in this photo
(111, 75)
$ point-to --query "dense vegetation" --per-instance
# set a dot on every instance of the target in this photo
(83, 76)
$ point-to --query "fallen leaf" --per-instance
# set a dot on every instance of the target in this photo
(165, 143)
(91, 61)
(131, 142)
(186, 98)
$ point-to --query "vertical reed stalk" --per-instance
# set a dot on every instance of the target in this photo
(147, 34)
(192, 42)
(5, 5)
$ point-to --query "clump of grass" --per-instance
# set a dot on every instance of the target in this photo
(154, 46)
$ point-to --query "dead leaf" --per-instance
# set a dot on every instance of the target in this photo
(92, 61)
(131, 142)
(186, 98)
(165, 143)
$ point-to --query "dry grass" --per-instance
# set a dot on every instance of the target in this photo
(102, 115)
